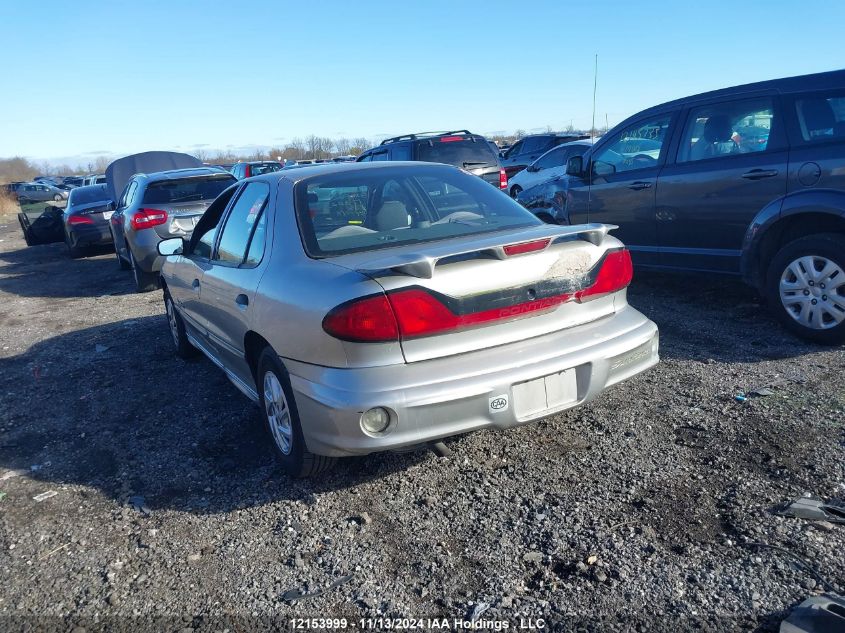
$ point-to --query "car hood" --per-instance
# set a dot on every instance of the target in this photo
(120, 171)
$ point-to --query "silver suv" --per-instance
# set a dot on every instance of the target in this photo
(376, 306)
(157, 206)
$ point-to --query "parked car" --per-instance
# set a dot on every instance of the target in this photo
(550, 165)
(40, 192)
(86, 219)
(95, 179)
(461, 148)
(689, 195)
(254, 168)
(158, 205)
(406, 303)
(529, 148)
(74, 181)
(12, 188)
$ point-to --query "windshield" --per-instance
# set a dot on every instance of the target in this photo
(372, 209)
(187, 189)
(87, 195)
(465, 153)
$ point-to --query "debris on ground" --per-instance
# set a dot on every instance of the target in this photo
(45, 495)
(817, 614)
(478, 610)
(139, 504)
(815, 510)
(10, 473)
(292, 595)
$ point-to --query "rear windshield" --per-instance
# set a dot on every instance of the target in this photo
(465, 153)
(256, 169)
(187, 189)
(87, 195)
(371, 209)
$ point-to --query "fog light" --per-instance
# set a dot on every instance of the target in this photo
(375, 420)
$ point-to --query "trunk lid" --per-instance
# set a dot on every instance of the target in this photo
(181, 218)
(524, 295)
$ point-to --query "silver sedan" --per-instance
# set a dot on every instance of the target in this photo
(376, 306)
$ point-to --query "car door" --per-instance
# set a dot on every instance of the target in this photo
(619, 184)
(118, 218)
(731, 162)
(230, 281)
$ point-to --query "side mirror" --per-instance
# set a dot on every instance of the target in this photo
(173, 246)
(600, 168)
(575, 166)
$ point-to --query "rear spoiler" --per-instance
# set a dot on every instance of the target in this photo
(422, 266)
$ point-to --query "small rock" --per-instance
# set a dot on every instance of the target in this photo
(532, 557)
(297, 561)
(601, 576)
(429, 501)
(507, 602)
(581, 566)
(113, 600)
(194, 557)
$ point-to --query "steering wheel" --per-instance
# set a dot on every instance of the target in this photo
(643, 160)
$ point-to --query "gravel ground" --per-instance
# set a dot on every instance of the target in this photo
(636, 512)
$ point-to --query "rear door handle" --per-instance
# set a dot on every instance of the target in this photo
(757, 174)
(242, 300)
(639, 185)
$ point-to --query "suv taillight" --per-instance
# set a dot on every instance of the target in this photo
(503, 179)
(147, 218)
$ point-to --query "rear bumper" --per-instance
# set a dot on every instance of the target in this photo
(90, 235)
(430, 400)
(144, 245)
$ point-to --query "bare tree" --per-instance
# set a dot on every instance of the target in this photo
(519, 134)
(360, 145)
(343, 146)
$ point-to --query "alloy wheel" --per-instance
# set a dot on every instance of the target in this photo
(811, 290)
(278, 412)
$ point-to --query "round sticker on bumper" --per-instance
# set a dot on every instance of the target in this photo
(499, 403)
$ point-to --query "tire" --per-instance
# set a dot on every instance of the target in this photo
(75, 252)
(515, 191)
(805, 287)
(57, 198)
(181, 344)
(273, 383)
(144, 281)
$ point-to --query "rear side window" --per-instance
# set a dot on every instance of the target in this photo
(241, 224)
(379, 208)
(186, 189)
(264, 168)
(727, 128)
(534, 144)
(821, 116)
(460, 151)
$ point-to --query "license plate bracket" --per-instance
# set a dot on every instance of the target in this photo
(539, 395)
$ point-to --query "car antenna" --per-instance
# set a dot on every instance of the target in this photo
(593, 130)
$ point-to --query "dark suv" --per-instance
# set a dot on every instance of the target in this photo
(745, 181)
(529, 148)
(461, 148)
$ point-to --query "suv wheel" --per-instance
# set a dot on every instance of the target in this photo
(515, 191)
(144, 281)
(282, 418)
(805, 286)
(183, 346)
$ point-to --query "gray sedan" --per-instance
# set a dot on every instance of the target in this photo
(376, 306)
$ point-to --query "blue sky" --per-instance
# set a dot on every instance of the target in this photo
(86, 77)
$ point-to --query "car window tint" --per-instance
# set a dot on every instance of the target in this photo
(534, 144)
(636, 147)
(374, 209)
(726, 129)
(821, 117)
(234, 239)
(401, 152)
(379, 156)
(552, 158)
(515, 150)
(205, 244)
(186, 189)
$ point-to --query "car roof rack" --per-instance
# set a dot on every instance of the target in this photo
(411, 137)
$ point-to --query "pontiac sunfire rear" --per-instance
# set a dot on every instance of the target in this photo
(377, 306)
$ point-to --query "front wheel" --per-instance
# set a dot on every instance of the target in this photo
(805, 286)
(183, 346)
(515, 191)
(57, 198)
(281, 418)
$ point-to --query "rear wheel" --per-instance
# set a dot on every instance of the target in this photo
(75, 252)
(57, 198)
(515, 191)
(183, 346)
(144, 281)
(281, 418)
(805, 286)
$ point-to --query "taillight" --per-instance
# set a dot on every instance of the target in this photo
(247, 171)
(416, 312)
(369, 320)
(526, 247)
(451, 139)
(503, 179)
(79, 219)
(615, 273)
(147, 218)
